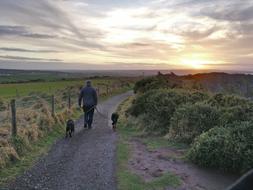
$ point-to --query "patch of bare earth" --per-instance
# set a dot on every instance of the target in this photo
(152, 164)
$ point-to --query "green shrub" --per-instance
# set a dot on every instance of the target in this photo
(190, 120)
(167, 81)
(158, 106)
(222, 100)
(233, 108)
(236, 113)
(228, 148)
(150, 83)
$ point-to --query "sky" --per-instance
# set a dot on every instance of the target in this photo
(126, 34)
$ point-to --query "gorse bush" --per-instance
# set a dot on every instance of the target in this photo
(190, 120)
(150, 83)
(221, 100)
(229, 148)
(158, 82)
(158, 106)
(233, 108)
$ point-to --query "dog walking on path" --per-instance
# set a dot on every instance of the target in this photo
(70, 128)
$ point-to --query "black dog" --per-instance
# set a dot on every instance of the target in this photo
(70, 128)
(114, 119)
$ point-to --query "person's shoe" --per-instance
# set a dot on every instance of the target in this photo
(89, 127)
(85, 126)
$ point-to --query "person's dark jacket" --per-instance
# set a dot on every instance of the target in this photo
(89, 96)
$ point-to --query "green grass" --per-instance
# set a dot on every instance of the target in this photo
(127, 180)
(23, 89)
(36, 150)
(127, 132)
(153, 143)
(25, 77)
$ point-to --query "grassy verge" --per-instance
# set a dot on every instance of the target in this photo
(36, 150)
(33, 152)
(127, 180)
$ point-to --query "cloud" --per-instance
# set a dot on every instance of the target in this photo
(45, 20)
(232, 12)
(27, 50)
(8, 57)
(21, 31)
(39, 13)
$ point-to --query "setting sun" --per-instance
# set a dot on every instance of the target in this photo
(194, 63)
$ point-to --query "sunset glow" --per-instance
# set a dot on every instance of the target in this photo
(107, 34)
(194, 64)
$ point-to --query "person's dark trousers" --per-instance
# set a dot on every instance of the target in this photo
(88, 115)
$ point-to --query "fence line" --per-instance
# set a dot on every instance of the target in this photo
(12, 114)
(55, 103)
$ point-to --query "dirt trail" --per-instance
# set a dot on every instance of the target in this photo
(86, 161)
(150, 164)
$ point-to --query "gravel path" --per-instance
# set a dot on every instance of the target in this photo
(85, 162)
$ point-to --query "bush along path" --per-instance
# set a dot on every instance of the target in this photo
(86, 161)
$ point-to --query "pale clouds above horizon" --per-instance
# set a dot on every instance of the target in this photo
(107, 34)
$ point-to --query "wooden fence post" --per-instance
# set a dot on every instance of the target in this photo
(13, 118)
(53, 108)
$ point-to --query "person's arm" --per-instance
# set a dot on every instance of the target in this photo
(80, 98)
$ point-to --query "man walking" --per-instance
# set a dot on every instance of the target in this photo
(88, 96)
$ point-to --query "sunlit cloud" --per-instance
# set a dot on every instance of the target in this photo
(153, 34)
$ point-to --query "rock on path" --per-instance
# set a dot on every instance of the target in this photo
(85, 162)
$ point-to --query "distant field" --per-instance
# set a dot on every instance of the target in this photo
(23, 89)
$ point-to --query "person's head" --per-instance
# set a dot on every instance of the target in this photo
(88, 83)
